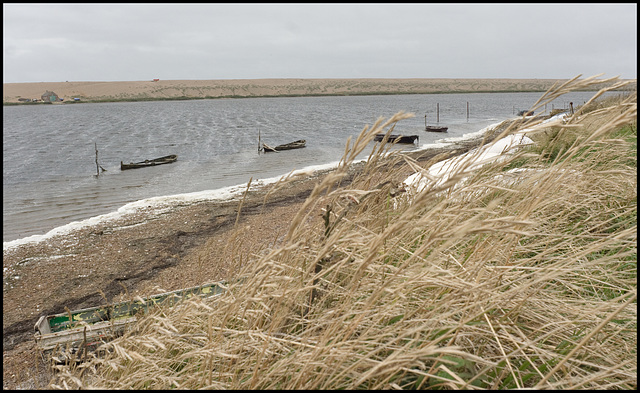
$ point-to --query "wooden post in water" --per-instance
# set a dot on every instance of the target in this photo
(467, 110)
(97, 165)
(438, 113)
(259, 142)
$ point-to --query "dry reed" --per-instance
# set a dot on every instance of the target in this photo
(519, 274)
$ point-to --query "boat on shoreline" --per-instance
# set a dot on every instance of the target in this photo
(397, 138)
(90, 327)
(287, 146)
(143, 164)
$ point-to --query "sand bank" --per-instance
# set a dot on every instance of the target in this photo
(168, 89)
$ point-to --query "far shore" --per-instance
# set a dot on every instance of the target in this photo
(152, 89)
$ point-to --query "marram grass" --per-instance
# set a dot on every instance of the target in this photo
(519, 274)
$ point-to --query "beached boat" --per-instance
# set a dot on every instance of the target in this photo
(397, 138)
(287, 146)
(143, 164)
(89, 327)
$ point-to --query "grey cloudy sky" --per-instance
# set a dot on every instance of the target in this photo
(129, 42)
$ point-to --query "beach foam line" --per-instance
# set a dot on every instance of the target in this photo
(445, 142)
(440, 172)
(156, 205)
(480, 156)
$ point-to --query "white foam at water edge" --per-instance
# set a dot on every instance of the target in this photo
(449, 141)
(489, 152)
(157, 204)
(559, 118)
(473, 135)
(161, 203)
(475, 158)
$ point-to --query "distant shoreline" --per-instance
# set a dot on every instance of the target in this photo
(155, 90)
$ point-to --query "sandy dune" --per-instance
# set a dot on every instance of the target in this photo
(140, 90)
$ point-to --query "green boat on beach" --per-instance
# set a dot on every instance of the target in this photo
(88, 327)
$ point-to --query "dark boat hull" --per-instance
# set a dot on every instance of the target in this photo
(436, 129)
(143, 164)
(287, 146)
(397, 138)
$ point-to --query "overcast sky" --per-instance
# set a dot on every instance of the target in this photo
(129, 42)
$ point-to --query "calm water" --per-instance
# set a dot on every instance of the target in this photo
(49, 156)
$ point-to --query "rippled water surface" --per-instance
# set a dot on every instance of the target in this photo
(49, 155)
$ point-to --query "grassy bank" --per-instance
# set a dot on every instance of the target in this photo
(520, 274)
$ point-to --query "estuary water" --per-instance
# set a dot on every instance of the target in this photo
(49, 151)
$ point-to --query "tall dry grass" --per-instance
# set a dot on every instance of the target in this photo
(520, 274)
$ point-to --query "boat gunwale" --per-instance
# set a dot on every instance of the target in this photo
(300, 143)
(397, 137)
(146, 163)
(436, 128)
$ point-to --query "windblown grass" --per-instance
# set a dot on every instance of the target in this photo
(519, 274)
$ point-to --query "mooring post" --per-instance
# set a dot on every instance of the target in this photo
(438, 113)
(467, 110)
(97, 165)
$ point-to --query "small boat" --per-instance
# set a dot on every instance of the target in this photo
(433, 128)
(397, 138)
(287, 146)
(525, 113)
(436, 128)
(89, 327)
(142, 164)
